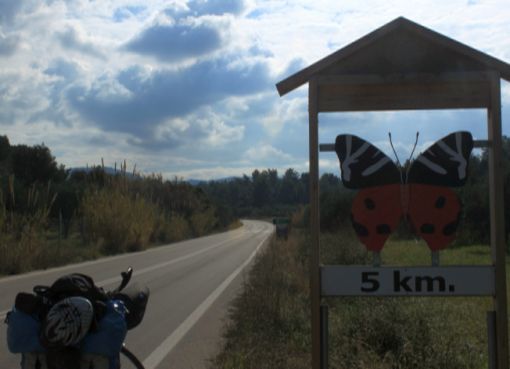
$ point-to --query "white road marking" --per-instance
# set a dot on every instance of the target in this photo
(157, 356)
(167, 263)
(98, 261)
(149, 269)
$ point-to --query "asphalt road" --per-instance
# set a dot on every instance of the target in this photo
(191, 283)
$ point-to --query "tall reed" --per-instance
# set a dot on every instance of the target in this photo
(117, 220)
(23, 227)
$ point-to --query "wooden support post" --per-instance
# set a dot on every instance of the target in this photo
(491, 339)
(314, 222)
(324, 337)
(497, 216)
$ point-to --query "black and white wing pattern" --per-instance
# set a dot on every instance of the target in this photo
(363, 165)
(445, 163)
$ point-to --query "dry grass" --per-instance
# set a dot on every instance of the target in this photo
(117, 221)
(269, 324)
(203, 222)
(172, 229)
(22, 243)
(113, 214)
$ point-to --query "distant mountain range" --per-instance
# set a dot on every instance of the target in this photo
(113, 171)
(196, 182)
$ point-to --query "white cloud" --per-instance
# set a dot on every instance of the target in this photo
(326, 165)
(66, 79)
(265, 152)
(284, 112)
(215, 131)
(208, 173)
(73, 39)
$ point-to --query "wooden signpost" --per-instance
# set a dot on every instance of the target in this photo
(405, 66)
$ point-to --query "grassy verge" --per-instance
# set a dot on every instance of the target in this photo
(46, 250)
(94, 214)
(270, 326)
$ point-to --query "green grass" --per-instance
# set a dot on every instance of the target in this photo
(468, 314)
(411, 253)
(453, 327)
(270, 323)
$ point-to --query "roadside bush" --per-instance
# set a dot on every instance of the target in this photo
(335, 209)
(343, 248)
(178, 228)
(92, 211)
(117, 220)
(22, 229)
(203, 222)
(299, 218)
(21, 253)
(172, 229)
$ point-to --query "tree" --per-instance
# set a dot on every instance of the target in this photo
(329, 182)
(304, 188)
(5, 148)
(31, 164)
(261, 188)
(289, 191)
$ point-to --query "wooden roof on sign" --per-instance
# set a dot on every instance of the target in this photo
(400, 47)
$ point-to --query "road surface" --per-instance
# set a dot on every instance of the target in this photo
(191, 283)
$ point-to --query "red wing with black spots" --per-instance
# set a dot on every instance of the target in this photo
(434, 213)
(434, 209)
(375, 214)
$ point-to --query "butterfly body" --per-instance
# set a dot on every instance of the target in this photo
(421, 195)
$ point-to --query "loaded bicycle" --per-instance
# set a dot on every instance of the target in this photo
(74, 324)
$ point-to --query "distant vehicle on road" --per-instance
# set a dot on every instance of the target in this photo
(282, 227)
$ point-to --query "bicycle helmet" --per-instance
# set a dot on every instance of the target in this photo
(67, 322)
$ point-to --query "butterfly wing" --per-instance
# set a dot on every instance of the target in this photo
(434, 213)
(376, 209)
(445, 163)
(363, 165)
(375, 213)
(434, 209)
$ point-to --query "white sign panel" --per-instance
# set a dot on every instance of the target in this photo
(357, 280)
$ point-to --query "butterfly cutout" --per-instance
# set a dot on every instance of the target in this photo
(420, 193)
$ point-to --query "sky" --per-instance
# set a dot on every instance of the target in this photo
(186, 88)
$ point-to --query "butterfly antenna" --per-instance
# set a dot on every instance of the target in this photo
(396, 157)
(411, 156)
(415, 144)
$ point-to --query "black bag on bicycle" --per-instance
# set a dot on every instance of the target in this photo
(135, 299)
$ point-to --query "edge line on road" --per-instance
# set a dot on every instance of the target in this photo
(3, 314)
(105, 259)
(170, 262)
(157, 356)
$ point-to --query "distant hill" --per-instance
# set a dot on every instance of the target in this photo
(196, 182)
(112, 171)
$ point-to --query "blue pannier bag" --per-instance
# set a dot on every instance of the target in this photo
(106, 340)
(23, 332)
(111, 331)
(114, 313)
